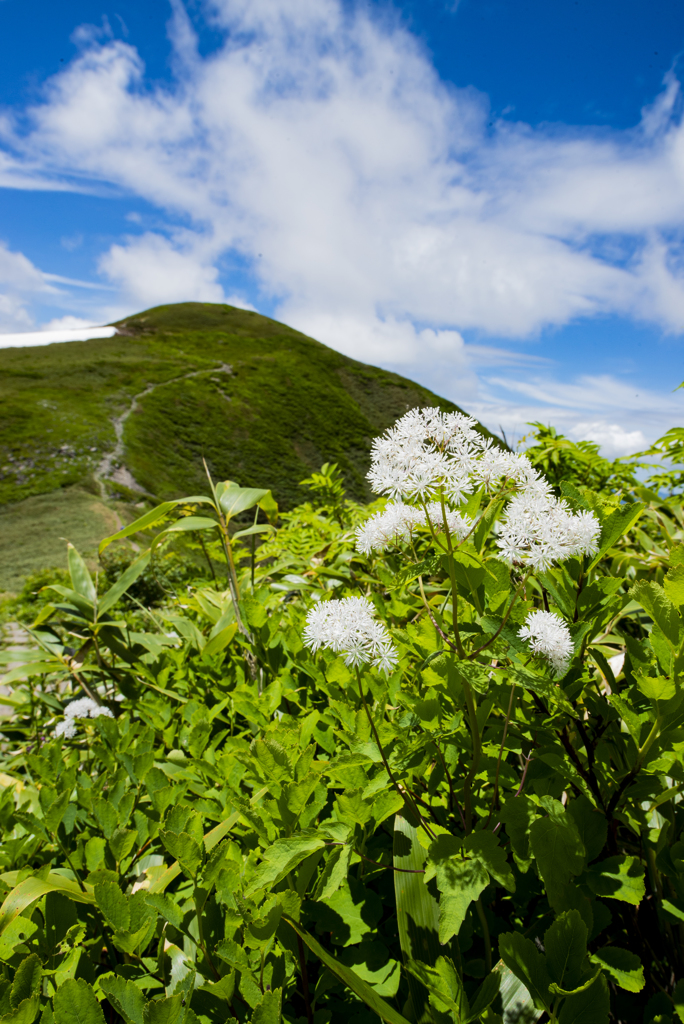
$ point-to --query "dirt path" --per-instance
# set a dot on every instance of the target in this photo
(121, 474)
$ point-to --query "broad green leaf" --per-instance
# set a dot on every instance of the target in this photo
(565, 943)
(615, 526)
(27, 980)
(236, 499)
(164, 1011)
(114, 906)
(283, 857)
(75, 1002)
(588, 1007)
(126, 580)
(618, 878)
(55, 812)
(445, 988)
(122, 842)
(32, 889)
(189, 523)
(516, 1002)
(372, 963)
(485, 847)
(678, 999)
(656, 687)
(81, 580)
(523, 958)
(558, 850)
(517, 814)
(250, 531)
(624, 967)
(591, 825)
(24, 1013)
(334, 873)
(184, 848)
(658, 605)
(268, 1009)
(674, 585)
(220, 641)
(359, 987)
(417, 910)
(126, 998)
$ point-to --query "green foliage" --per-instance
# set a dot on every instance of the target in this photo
(252, 832)
(261, 402)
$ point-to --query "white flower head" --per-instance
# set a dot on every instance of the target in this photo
(348, 627)
(549, 636)
(84, 707)
(538, 530)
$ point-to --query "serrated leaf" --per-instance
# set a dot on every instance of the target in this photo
(589, 1007)
(114, 906)
(75, 1002)
(126, 998)
(283, 856)
(617, 878)
(658, 605)
(565, 943)
(26, 980)
(624, 967)
(558, 850)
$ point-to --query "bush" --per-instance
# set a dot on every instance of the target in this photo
(419, 761)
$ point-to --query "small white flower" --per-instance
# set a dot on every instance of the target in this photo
(394, 524)
(549, 636)
(84, 707)
(348, 627)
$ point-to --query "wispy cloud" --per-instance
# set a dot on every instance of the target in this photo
(373, 203)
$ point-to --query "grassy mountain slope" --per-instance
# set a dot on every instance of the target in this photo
(261, 402)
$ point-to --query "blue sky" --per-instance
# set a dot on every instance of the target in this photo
(486, 196)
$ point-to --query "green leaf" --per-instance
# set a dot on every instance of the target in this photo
(164, 1011)
(184, 848)
(24, 1013)
(122, 842)
(359, 987)
(268, 1009)
(445, 988)
(618, 878)
(615, 526)
(558, 850)
(32, 889)
(126, 998)
(114, 906)
(678, 999)
(589, 1007)
(26, 980)
(334, 873)
(234, 499)
(516, 1001)
(674, 585)
(56, 812)
(126, 580)
(75, 1002)
(624, 967)
(417, 909)
(656, 687)
(154, 517)
(523, 958)
(658, 605)
(485, 847)
(81, 580)
(220, 641)
(283, 857)
(251, 530)
(565, 943)
(485, 995)
(165, 906)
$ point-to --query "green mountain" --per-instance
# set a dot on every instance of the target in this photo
(136, 414)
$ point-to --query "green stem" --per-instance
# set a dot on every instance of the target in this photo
(477, 748)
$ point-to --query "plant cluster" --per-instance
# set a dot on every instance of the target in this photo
(419, 761)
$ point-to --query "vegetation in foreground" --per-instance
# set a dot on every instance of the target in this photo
(216, 806)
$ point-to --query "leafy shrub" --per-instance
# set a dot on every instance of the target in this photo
(245, 828)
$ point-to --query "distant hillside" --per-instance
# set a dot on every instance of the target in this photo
(262, 403)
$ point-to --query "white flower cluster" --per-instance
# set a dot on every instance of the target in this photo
(84, 707)
(538, 530)
(427, 451)
(348, 627)
(549, 636)
(397, 521)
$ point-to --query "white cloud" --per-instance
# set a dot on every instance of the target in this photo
(377, 209)
(50, 336)
(150, 271)
(20, 281)
(614, 440)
